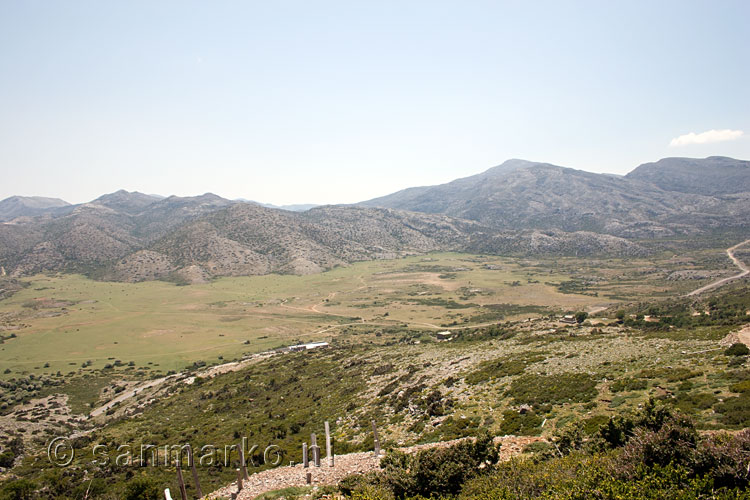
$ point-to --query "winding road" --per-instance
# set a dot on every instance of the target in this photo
(718, 283)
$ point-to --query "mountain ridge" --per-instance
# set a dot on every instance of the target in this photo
(533, 195)
(518, 208)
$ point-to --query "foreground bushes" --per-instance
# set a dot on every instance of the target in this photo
(653, 454)
(431, 472)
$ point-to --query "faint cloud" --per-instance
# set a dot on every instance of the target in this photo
(706, 137)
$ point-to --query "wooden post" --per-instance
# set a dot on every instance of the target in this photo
(239, 480)
(243, 465)
(329, 453)
(194, 470)
(316, 455)
(309, 478)
(313, 439)
(305, 458)
(376, 439)
(181, 483)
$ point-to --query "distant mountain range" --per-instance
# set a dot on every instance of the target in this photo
(29, 206)
(519, 207)
(674, 196)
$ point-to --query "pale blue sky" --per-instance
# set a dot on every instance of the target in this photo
(335, 102)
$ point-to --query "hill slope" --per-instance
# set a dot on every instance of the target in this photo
(527, 195)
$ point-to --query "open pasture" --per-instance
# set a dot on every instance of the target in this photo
(62, 322)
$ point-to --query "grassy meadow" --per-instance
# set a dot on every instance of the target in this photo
(64, 321)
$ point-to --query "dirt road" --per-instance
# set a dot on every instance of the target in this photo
(737, 262)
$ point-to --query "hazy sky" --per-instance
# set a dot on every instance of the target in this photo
(334, 102)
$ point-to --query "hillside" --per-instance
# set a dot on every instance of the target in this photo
(134, 237)
(528, 195)
(712, 176)
(29, 206)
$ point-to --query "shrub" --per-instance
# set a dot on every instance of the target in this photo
(628, 384)
(21, 489)
(431, 472)
(737, 349)
(553, 389)
(142, 488)
(677, 374)
(527, 424)
(723, 457)
(735, 411)
(674, 442)
(7, 458)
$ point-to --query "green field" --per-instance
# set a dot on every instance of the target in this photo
(63, 321)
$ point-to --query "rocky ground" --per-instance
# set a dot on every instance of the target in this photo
(344, 465)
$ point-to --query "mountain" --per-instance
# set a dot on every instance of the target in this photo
(247, 239)
(297, 207)
(715, 175)
(94, 234)
(197, 238)
(524, 195)
(517, 208)
(124, 201)
(29, 206)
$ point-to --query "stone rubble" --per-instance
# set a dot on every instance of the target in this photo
(352, 463)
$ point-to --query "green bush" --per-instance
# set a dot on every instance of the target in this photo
(628, 384)
(553, 389)
(21, 489)
(737, 349)
(735, 411)
(431, 472)
(7, 458)
(503, 367)
(677, 374)
(520, 424)
(142, 488)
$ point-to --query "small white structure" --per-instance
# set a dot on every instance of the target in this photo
(446, 335)
(568, 318)
(307, 347)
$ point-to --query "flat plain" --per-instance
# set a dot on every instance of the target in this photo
(62, 322)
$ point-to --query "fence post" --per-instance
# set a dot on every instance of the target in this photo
(329, 451)
(316, 455)
(191, 460)
(181, 483)
(243, 465)
(239, 480)
(376, 439)
(305, 458)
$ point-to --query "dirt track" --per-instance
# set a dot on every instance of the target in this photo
(741, 265)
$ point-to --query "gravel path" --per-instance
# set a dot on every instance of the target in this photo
(352, 463)
(737, 262)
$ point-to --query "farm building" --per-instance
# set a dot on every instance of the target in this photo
(307, 347)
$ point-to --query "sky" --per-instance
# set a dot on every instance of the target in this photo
(339, 101)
